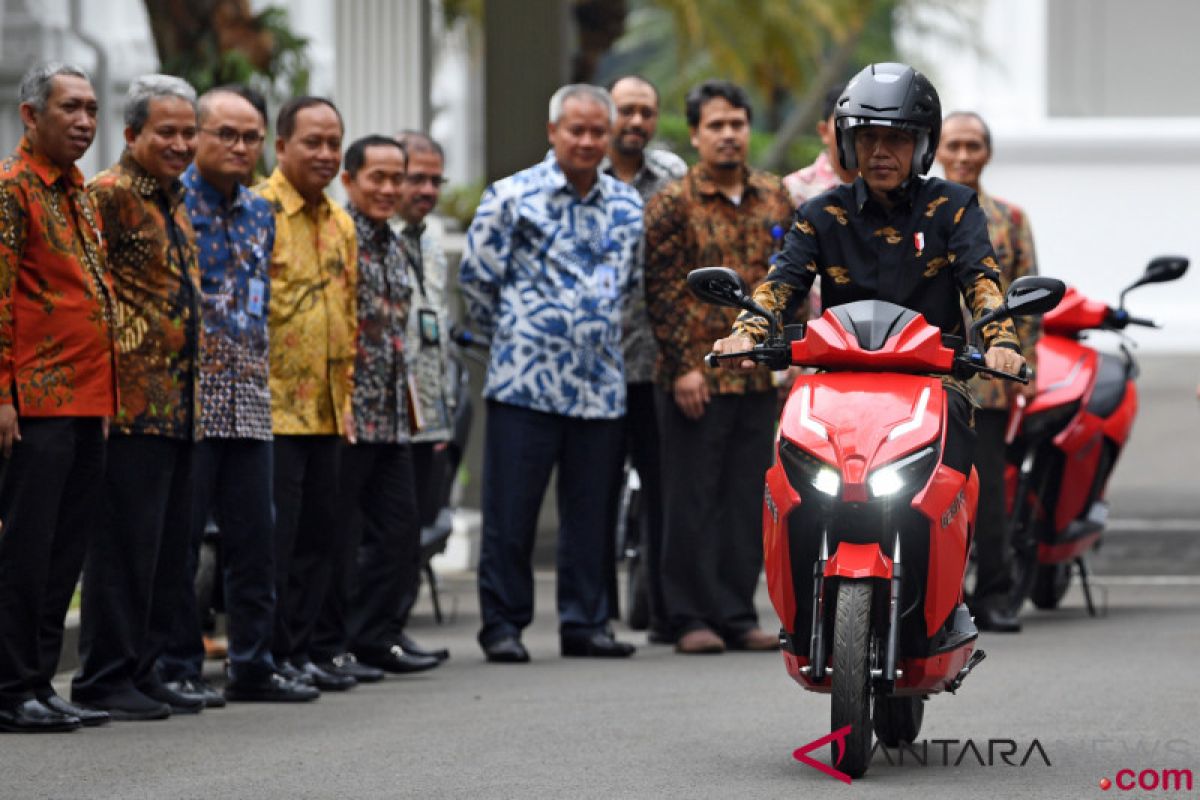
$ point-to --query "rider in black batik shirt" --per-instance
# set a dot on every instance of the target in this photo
(893, 235)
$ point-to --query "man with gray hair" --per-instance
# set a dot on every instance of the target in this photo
(56, 390)
(136, 564)
(549, 268)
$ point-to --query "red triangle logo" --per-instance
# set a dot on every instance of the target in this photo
(801, 753)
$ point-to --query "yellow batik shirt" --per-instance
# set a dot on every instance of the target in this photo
(311, 317)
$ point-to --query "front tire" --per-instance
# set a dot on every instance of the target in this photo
(852, 676)
(898, 719)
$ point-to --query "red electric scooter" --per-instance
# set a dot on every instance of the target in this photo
(1067, 441)
(865, 529)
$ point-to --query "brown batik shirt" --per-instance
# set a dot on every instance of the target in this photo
(692, 224)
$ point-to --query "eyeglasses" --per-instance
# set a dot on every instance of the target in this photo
(419, 178)
(229, 137)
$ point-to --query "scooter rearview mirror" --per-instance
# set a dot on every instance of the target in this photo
(723, 286)
(1160, 270)
(1033, 294)
(718, 285)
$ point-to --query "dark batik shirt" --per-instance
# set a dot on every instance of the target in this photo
(691, 224)
(152, 259)
(928, 253)
(384, 296)
(234, 238)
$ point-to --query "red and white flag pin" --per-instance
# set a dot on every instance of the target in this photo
(919, 241)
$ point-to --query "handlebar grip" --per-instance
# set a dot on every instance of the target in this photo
(1145, 323)
(1023, 374)
(711, 361)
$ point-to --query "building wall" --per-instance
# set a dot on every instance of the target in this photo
(1091, 137)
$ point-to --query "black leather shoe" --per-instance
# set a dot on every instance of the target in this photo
(508, 650)
(90, 718)
(273, 689)
(293, 673)
(997, 621)
(32, 716)
(198, 687)
(598, 645)
(398, 661)
(413, 649)
(347, 664)
(128, 705)
(327, 681)
(179, 702)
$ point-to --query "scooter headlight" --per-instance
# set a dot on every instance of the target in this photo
(828, 481)
(804, 468)
(910, 472)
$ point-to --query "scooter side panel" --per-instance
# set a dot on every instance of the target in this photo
(1082, 444)
(949, 503)
(778, 501)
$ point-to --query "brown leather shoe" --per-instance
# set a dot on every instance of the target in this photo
(756, 639)
(701, 640)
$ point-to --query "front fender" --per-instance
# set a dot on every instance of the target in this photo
(858, 561)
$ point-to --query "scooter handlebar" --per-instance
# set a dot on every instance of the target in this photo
(974, 362)
(1120, 319)
(773, 357)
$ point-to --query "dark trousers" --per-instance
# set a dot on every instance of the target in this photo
(429, 477)
(135, 564)
(641, 441)
(993, 546)
(51, 491)
(233, 482)
(376, 557)
(713, 471)
(306, 530)
(520, 450)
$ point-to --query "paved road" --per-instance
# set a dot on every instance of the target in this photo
(1098, 695)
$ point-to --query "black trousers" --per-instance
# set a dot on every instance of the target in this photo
(521, 448)
(306, 530)
(713, 471)
(135, 564)
(51, 490)
(376, 552)
(993, 540)
(233, 482)
(430, 476)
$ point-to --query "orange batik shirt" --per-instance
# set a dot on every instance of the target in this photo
(56, 305)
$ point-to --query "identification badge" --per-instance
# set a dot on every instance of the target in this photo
(606, 281)
(254, 298)
(430, 331)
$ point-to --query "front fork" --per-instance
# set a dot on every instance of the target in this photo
(816, 650)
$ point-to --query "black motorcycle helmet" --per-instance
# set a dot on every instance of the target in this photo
(893, 95)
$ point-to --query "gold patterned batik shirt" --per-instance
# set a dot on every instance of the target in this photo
(930, 252)
(312, 317)
(152, 260)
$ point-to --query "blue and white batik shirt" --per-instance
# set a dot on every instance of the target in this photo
(547, 275)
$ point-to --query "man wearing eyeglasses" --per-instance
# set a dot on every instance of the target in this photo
(235, 232)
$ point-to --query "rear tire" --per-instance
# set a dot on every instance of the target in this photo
(637, 597)
(898, 719)
(1050, 585)
(852, 676)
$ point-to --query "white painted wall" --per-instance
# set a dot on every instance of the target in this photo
(1104, 194)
